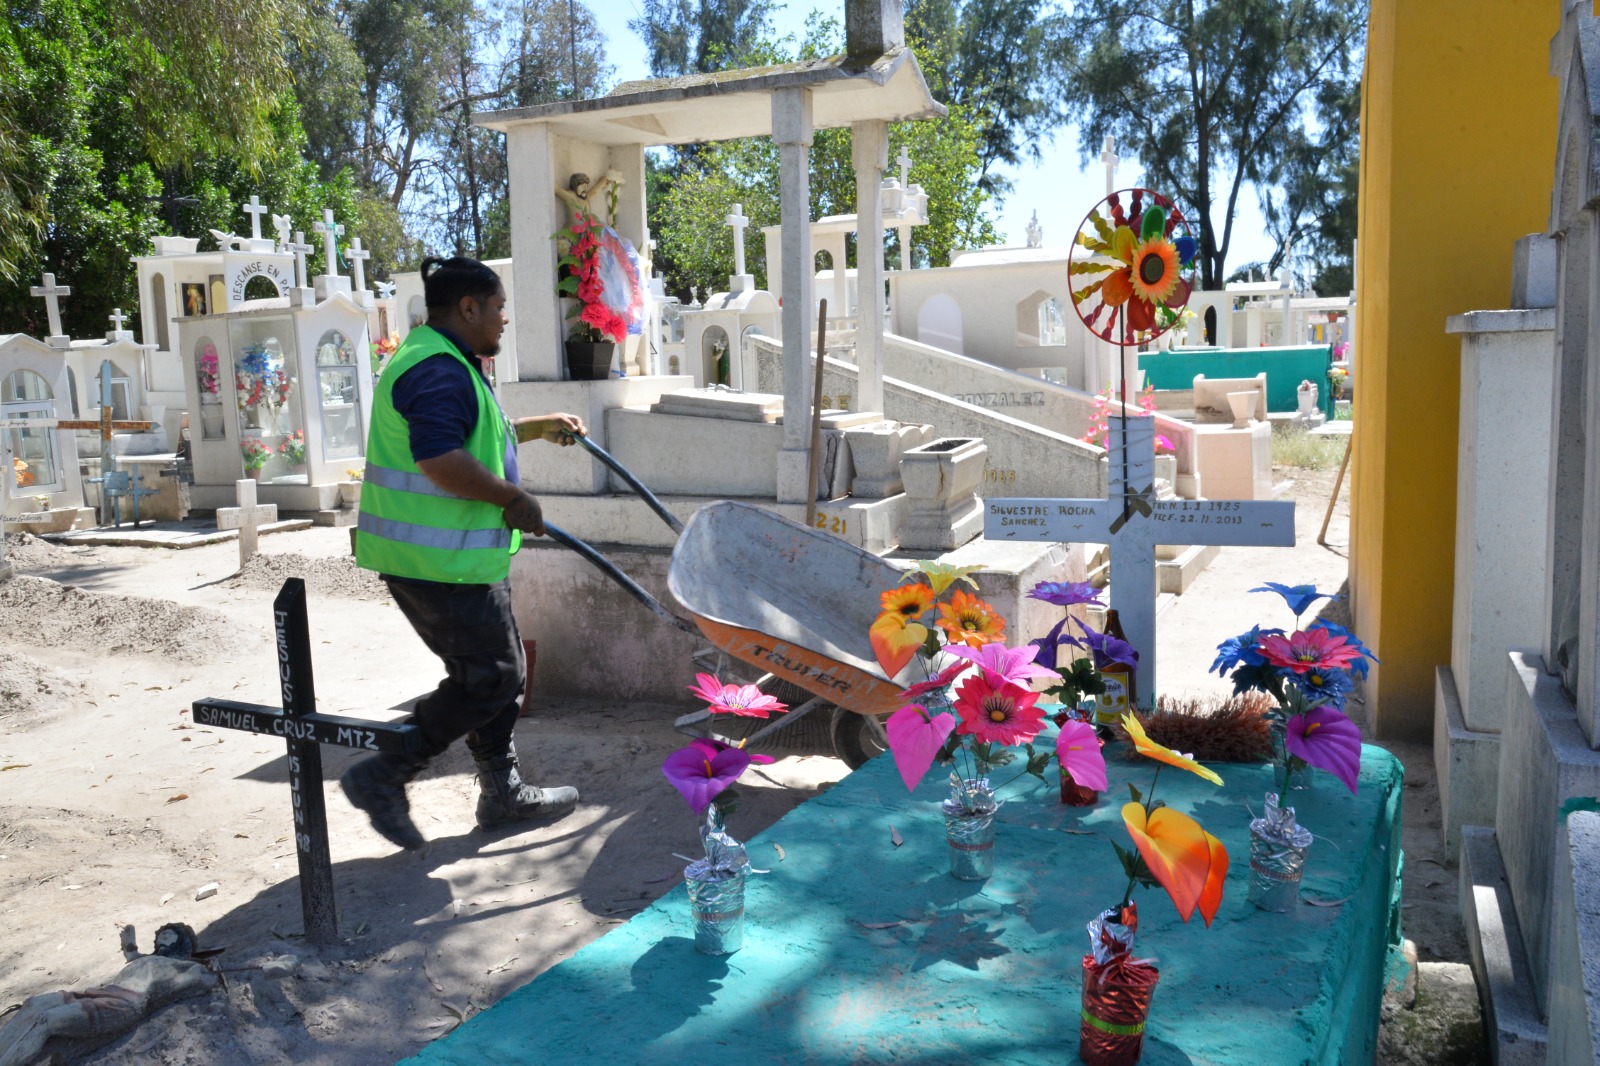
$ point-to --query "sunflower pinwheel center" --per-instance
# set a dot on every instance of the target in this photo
(1151, 269)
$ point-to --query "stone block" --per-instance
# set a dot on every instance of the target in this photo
(1511, 1020)
(688, 456)
(1574, 1017)
(1466, 764)
(574, 470)
(1533, 271)
(1544, 752)
(1211, 404)
(875, 451)
(1235, 464)
(1175, 575)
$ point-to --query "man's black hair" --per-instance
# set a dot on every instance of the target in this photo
(446, 281)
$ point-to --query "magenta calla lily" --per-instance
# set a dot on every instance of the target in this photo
(1078, 749)
(1010, 664)
(705, 769)
(1328, 740)
(914, 740)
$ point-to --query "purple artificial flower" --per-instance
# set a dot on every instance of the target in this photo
(704, 769)
(1047, 645)
(1106, 648)
(1298, 597)
(1065, 593)
(1328, 740)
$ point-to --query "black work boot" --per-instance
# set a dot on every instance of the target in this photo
(504, 797)
(377, 785)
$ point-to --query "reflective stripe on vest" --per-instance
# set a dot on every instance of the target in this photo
(433, 536)
(405, 481)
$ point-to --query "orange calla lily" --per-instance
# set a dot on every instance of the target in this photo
(1190, 863)
(1151, 749)
(895, 639)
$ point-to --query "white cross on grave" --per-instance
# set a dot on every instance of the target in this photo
(300, 249)
(255, 209)
(358, 257)
(118, 320)
(1108, 156)
(738, 222)
(246, 517)
(1132, 522)
(52, 307)
(331, 233)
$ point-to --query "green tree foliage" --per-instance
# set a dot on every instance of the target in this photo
(690, 198)
(1209, 94)
(698, 36)
(1001, 61)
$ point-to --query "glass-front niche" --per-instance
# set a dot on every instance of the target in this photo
(337, 366)
(266, 389)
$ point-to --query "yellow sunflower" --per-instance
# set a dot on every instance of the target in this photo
(907, 601)
(1154, 271)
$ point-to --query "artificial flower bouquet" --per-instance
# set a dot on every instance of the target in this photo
(704, 773)
(209, 371)
(972, 706)
(255, 453)
(600, 269)
(1171, 851)
(293, 448)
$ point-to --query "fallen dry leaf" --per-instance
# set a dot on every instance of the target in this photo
(179, 796)
(779, 849)
(16, 766)
(894, 836)
(1325, 902)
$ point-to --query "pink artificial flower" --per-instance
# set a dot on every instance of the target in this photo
(1009, 664)
(934, 684)
(745, 700)
(915, 738)
(1078, 749)
(996, 711)
(1308, 649)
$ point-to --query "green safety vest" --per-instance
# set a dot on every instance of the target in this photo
(410, 527)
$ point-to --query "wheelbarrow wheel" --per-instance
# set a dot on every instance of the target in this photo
(857, 737)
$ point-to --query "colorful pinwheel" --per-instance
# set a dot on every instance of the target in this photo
(1128, 267)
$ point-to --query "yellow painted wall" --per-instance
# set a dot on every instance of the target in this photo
(1458, 141)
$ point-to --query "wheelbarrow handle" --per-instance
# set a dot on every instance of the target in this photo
(611, 570)
(633, 483)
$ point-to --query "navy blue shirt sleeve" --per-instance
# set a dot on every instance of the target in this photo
(437, 399)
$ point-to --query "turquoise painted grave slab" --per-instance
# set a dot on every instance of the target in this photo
(858, 951)
(1286, 368)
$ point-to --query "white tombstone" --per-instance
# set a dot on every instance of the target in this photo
(246, 518)
(51, 292)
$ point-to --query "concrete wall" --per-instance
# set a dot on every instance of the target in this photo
(1575, 955)
(1458, 121)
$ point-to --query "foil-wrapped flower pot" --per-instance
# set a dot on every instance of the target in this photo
(716, 888)
(716, 902)
(1277, 857)
(969, 827)
(1117, 991)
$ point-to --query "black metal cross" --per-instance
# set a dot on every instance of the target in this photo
(305, 731)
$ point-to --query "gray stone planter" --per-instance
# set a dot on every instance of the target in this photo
(941, 485)
(875, 452)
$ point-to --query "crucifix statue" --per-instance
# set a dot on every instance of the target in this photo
(1132, 522)
(52, 308)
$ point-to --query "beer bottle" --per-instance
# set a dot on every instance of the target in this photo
(1119, 696)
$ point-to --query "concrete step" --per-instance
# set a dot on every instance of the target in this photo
(1516, 1034)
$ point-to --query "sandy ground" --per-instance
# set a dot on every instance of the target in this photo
(114, 808)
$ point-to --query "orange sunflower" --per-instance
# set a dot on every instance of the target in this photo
(908, 601)
(968, 620)
(1154, 272)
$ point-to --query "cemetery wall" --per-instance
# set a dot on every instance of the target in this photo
(1434, 145)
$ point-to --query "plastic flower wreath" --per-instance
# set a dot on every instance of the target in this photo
(1309, 672)
(209, 382)
(974, 702)
(601, 270)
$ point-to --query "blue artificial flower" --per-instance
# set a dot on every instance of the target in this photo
(1322, 687)
(1358, 665)
(1241, 650)
(1298, 597)
(1065, 593)
(1250, 678)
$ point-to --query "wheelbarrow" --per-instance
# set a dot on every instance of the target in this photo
(795, 603)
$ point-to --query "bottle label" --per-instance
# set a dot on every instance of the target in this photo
(1110, 707)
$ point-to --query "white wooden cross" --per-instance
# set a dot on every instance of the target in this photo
(51, 293)
(358, 257)
(1132, 522)
(117, 320)
(331, 233)
(255, 209)
(300, 249)
(246, 517)
(1108, 156)
(738, 222)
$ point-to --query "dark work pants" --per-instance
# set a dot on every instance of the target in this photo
(471, 628)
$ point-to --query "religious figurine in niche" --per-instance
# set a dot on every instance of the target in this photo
(580, 195)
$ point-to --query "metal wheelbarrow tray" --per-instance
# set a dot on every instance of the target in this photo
(790, 600)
